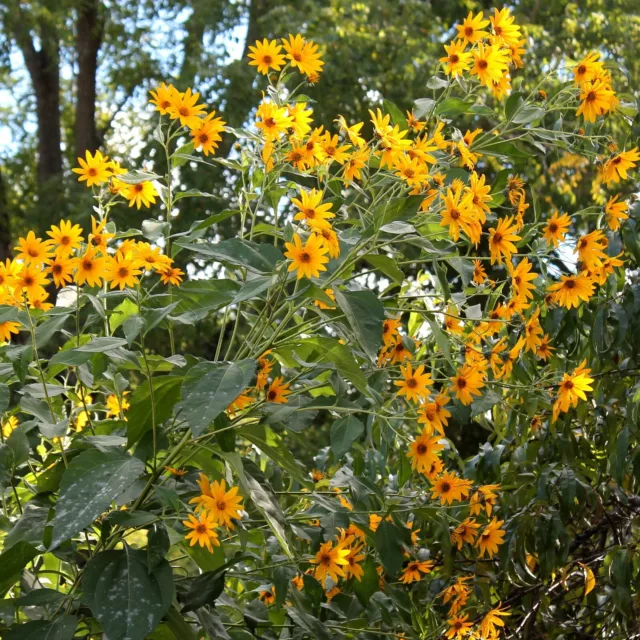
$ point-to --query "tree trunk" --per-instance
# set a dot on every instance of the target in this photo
(89, 32)
(43, 65)
(5, 223)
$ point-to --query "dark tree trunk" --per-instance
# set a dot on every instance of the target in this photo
(43, 65)
(89, 32)
(5, 223)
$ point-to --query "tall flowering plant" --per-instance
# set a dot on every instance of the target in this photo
(412, 424)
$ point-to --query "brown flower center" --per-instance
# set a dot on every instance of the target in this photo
(305, 257)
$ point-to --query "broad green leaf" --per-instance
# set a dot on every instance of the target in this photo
(341, 356)
(5, 397)
(528, 113)
(387, 266)
(80, 355)
(423, 107)
(49, 328)
(272, 445)
(137, 176)
(440, 338)
(62, 628)
(126, 597)
(209, 388)
(264, 502)
(253, 288)
(12, 562)
(121, 313)
(166, 393)
(397, 117)
(365, 314)
(388, 540)
(452, 107)
(344, 433)
(242, 253)
(198, 298)
(93, 480)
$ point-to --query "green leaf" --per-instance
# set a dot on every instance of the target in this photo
(166, 392)
(396, 114)
(365, 314)
(91, 482)
(264, 502)
(12, 562)
(253, 288)
(5, 397)
(80, 355)
(386, 265)
(49, 328)
(485, 402)
(136, 177)
(369, 582)
(62, 628)
(423, 106)
(528, 113)
(342, 357)
(271, 444)
(502, 149)
(452, 107)
(121, 313)
(126, 597)
(40, 597)
(242, 253)
(198, 298)
(388, 539)
(178, 157)
(440, 338)
(209, 388)
(344, 433)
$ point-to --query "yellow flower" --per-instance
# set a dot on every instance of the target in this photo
(163, 97)
(223, 505)
(591, 249)
(206, 135)
(374, 521)
(467, 383)
(457, 60)
(203, 530)
(544, 348)
(465, 532)
(617, 166)
(90, 268)
(9, 426)
(117, 406)
(492, 623)
(171, 275)
(490, 62)
(352, 131)
(268, 596)
(67, 237)
(184, 108)
(310, 207)
(449, 488)
(484, 498)
(458, 627)
(99, 238)
(278, 391)
(323, 305)
(616, 211)
(501, 239)
(412, 572)
(355, 163)
(415, 385)
(272, 120)
(556, 228)
(33, 251)
(479, 274)
(574, 387)
(143, 193)
(597, 99)
(303, 55)
(122, 271)
(491, 538)
(308, 259)
(330, 562)
(61, 269)
(424, 450)
(6, 329)
(504, 30)
(571, 291)
(32, 281)
(94, 169)
(266, 55)
(589, 68)
(521, 278)
(472, 29)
